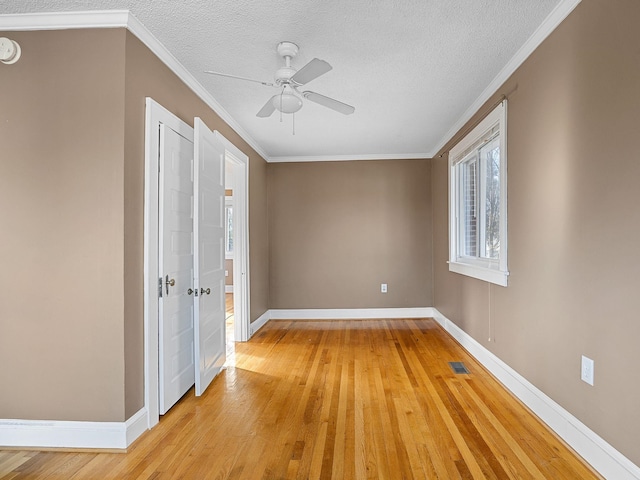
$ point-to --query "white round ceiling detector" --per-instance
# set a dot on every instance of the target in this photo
(9, 51)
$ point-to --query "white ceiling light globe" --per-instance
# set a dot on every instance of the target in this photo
(287, 102)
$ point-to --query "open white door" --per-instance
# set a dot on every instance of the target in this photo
(208, 256)
(175, 326)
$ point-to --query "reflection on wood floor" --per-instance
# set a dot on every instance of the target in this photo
(334, 400)
(231, 348)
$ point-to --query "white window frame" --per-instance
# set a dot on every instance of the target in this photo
(228, 202)
(490, 270)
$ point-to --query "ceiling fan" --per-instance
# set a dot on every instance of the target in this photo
(288, 80)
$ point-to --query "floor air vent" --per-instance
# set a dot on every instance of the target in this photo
(458, 367)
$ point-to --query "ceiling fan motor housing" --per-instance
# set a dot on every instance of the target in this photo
(283, 75)
(286, 50)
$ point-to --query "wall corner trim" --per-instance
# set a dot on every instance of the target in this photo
(72, 434)
(608, 461)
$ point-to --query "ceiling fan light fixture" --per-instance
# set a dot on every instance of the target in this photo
(287, 102)
(289, 79)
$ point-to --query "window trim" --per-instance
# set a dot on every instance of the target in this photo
(493, 271)
(228, 202)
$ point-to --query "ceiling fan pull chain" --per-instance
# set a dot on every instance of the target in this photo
(294, 122)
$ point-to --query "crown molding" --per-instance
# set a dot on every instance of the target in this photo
(145, 36)
(65, 20)
(124, 19)
(555, 18)
(350, 158)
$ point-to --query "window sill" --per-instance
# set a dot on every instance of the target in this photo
(496, 277)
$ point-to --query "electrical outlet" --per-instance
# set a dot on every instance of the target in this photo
(383, 288)
(587, 370)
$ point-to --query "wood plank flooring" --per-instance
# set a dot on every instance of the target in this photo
(334, 400)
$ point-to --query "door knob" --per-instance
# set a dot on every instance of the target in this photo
(190, 291)
(169, 283)
(203, 291)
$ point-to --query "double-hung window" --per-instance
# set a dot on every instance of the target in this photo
(478, 201)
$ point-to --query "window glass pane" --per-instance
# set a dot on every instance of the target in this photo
(490, 155)
(469, 208)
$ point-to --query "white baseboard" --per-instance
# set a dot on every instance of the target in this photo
(69, 434)
(350, 313)
(259, 323)
(136, 425)
(228, 289)
(339, 314)
(608, 461)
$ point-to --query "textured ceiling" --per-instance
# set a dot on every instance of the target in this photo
(411, 68)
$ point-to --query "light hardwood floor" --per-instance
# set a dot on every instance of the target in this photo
(334, 399)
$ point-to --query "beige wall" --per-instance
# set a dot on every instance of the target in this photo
(72, 172)
(228, 266)
(574, 224)
(340, 229)
(147, 76)
(61, 191)
(71, 186)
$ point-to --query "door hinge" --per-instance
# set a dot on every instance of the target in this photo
(160, 287)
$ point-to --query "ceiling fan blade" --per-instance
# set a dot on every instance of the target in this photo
(267, 110)
(329, 103)
(310, 71)
(239, 78)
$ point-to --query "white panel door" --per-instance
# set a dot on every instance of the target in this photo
(209, 256)
(176, 228)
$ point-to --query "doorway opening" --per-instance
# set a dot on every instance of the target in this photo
(156, 115)
(237, 181)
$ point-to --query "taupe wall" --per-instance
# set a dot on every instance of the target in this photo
(574, 224)
(340, 229)
(147, 76)
(62, 216)
(228, 266)
(72, 186)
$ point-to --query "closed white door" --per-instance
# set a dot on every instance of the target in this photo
(209, 256)
(176, 236)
